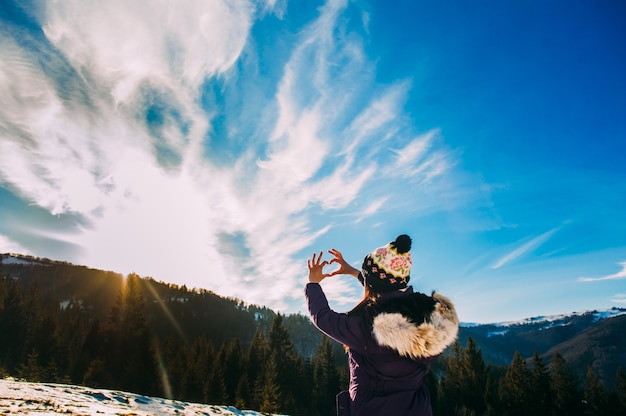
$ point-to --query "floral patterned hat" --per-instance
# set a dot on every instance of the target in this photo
(388, 268)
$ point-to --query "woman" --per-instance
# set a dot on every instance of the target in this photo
(391, 336)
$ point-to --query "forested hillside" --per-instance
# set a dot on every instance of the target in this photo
(65, 323)
(594, 339)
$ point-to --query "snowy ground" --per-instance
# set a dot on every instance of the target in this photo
(17, 397)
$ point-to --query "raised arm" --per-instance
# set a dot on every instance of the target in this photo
(339, 326)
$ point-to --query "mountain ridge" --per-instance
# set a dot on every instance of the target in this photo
(584, 338)
(599, 314)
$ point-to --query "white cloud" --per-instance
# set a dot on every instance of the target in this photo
(413, 152)
(90, 149)
(343, 292)
(372, 208)
(92, 153)
(127, 43)
(619, 298)
(615, 276)
(9, 246)
(527, 247)
(379, 118)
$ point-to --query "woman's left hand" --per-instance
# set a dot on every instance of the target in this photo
(316, 268)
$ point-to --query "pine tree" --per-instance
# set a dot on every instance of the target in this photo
(202, 359)
(217, 392)
(462, 388)
(620, 387)
(473, 378)
(271, 396)
(450, 391)
(494, 406)
(72, 331)
(125, 342)
(242, 394)
(175, 367)
(514, 387)
(234, 366)
(98, 375)
(289, 367)
(325, 379)
(34, 314)
(13, 320)
(539, 387)
(564, 388)
(258, 355)
(46, 342)
(31, 371)
(139, 365)
(596, 396)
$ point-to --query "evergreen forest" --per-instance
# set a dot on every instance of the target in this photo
(145, 337)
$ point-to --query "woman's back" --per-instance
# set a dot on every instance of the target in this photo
(391, 336)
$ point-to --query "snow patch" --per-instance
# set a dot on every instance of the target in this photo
(551, 320)
(18, 397)
(497, 333)
(9, 258)
(14, 260)
(556, 320)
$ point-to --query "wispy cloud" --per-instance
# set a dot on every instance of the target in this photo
(92, 149)
(127, 45)
(7, 245)
(346, 293)
(525, 248)
(116, 127)
(421, 160)
(615, 276)
(619, 298)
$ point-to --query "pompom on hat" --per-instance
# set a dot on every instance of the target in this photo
(389, 267)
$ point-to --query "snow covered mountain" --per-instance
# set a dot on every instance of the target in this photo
(571, 323)
(594, 339)
(550, 321)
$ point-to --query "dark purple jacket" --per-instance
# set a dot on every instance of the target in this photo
(390, 345)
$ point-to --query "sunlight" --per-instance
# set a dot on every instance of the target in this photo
(165, 310)
(165, 380)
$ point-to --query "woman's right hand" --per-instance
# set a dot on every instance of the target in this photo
(344, 267)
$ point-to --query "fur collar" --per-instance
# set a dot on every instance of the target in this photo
(417, 326)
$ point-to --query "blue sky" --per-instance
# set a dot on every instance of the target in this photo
(219, 143)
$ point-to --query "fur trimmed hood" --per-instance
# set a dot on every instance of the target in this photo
(416, 325)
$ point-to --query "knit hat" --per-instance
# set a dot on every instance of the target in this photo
(388, 268)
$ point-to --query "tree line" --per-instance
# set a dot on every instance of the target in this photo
(462, 384)
(44, 341)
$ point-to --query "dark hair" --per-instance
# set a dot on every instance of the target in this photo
(369, 298)
(362, 308)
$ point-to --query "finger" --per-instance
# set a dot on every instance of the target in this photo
(335, 252)
(314, 259)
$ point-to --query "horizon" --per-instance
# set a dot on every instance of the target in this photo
(219, 144)
(607, 313)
